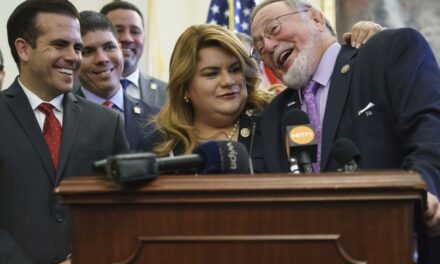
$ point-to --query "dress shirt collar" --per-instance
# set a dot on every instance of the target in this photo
(133, 78)
(35, 101)
(117, 99)
(325, 67)
(324, 71)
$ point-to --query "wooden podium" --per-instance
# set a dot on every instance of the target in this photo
(360, 217)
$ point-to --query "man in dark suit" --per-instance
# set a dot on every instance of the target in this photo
(129, 24)
(384, 97)
(99, 75)
(47, 133)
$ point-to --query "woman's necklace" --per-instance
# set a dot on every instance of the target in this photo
(233, 131)
(229, 136)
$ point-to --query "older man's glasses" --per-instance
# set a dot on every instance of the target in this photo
(272, 29)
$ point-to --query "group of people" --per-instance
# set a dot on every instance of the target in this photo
(80, 97)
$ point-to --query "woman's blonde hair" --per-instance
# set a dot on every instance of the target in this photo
(175, 120)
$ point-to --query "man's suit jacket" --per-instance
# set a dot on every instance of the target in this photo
(30, 211)
(138, 130)
(396, 71)
(153, 91)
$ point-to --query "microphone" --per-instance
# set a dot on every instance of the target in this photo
(254, 116)
(130, 167)
(300, 141)
(346, 153)
(209, 157)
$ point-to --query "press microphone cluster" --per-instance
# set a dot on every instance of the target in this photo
(301, 142)
(346, 153)
(208, 158)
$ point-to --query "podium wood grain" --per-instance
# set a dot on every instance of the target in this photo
(364, 217)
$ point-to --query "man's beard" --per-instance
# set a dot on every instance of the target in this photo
(300, 72)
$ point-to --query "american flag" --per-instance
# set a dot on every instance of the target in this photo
(221, 12)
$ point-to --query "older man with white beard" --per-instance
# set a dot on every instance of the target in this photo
(384, 97)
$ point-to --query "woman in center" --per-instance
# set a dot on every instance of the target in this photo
(212, 92)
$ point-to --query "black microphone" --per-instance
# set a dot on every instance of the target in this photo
(130, 167)
(346, 153)
(209, 157)
(301, 141)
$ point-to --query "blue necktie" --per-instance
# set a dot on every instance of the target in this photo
(125, 83)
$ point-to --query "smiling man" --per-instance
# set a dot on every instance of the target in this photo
(384, 96)
(129, 24)
(99, 76)
(47, 133)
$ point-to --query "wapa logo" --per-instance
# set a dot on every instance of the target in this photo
(302, 135)
(232, 155)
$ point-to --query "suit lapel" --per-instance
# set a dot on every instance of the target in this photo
(71, 118)
(145, 89)
(274, 140)
(78, 91)
(21, 109)
(339, 88)
(130, 124)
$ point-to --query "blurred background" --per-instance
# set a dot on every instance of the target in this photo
(167, 19)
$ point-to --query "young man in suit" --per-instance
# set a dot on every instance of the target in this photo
(99, 75)
(129, 24)
(384, 97)
(47, 133)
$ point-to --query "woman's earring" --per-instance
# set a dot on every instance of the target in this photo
(186, 98)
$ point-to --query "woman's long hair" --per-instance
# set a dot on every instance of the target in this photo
(175, 120)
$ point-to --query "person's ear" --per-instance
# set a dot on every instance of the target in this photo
(23, 49)
(318, 18)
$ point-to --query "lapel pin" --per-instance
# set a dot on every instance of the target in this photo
(153, 86)
(345, 68)
(245, 132)
(137, 110)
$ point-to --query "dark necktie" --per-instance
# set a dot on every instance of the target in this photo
(125, 83)
(51, 132)
(310, 101)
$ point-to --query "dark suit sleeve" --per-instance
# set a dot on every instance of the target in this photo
(10, 252)
(413, 79)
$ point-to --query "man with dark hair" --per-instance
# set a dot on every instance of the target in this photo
(384, 96)
(99, 74)
(47, 133)
(129, 24)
